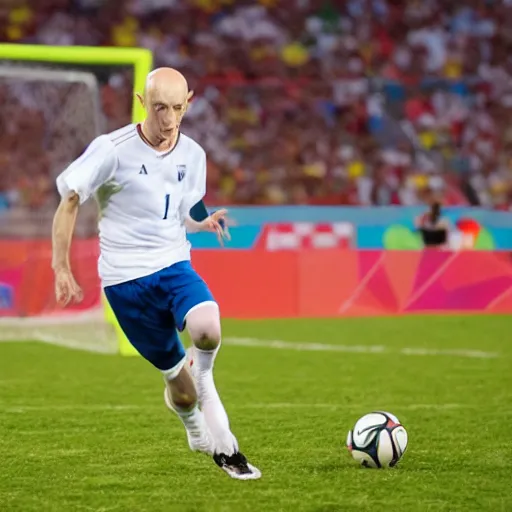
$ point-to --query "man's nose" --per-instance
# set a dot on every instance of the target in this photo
(171, 118)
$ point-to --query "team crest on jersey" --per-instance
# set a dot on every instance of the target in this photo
(182, 170)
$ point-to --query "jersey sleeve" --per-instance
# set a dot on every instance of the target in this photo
(197, 188)
(198, 212)
(92, 169)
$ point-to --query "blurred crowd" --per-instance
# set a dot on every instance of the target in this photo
(352, 102)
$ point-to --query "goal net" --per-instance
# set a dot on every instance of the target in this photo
(53, 105)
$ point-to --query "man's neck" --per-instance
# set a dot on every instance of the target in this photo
(157, 142)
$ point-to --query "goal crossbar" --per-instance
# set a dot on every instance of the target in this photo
(140, 58)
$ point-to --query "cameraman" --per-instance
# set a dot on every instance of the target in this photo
(433, 227)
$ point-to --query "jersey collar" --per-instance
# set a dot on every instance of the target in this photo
(145, 141)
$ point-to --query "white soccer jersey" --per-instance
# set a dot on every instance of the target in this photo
(144, 197)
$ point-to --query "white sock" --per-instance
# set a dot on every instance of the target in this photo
(192, 419)
(214, 412)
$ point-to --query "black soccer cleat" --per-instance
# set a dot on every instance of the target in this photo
(237, 466)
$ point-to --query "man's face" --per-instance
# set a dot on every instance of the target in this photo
(165, 110)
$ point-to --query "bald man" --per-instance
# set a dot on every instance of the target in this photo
(147, 177)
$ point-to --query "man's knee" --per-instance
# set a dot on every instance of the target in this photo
(203, 325)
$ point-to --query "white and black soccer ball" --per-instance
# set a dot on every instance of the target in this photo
(378, 440)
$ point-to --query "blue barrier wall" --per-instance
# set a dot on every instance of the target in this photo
(374, 228)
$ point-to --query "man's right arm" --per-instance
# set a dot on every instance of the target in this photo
(76, 184)
(62, 231)
(66, 288)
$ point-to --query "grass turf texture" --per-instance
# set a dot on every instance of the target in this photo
(88, 432)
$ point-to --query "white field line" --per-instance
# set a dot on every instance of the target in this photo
(361, 349)
(22, 408)
(56, 319)
(301, 346)
(297, 346)
(62, 341)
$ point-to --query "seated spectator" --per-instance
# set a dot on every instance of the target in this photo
(297, 102)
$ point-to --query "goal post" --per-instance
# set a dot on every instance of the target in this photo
(140, 58)
(141, 61)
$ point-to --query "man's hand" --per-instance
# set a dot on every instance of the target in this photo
(66, 288)
(217, 223)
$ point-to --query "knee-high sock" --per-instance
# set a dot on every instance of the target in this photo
(211, 404)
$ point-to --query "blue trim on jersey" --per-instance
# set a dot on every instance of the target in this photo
(198, 212)
(150, 309)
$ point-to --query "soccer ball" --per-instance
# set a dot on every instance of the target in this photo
(378, 440)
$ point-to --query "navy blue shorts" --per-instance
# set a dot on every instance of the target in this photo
(152, 308)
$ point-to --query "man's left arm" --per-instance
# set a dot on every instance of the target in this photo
(198, 212)
(193, 210)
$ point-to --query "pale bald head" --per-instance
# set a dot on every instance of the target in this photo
(168, 82)
(165, 99)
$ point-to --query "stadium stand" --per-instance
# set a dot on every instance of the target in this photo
(297, 101)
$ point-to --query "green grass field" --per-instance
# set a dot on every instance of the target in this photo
(89, 432)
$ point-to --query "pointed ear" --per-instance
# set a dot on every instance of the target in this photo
(189, 95)
(141, 99)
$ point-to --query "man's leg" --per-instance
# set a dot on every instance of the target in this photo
(203, 324)
(193, 306)
(152, 332)
(180, 397)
